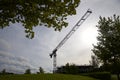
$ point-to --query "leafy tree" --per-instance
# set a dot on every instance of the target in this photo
(28, 71)
(68, 69)
(31, 13)
(3, 71)
(74, 69)
(41, 70)
(108, 47)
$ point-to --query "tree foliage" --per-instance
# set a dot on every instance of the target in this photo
(71, 69)
(68, 69)
(108, 47)
(94, 61)
(3, 71)
(28, 71)
(31, 13)
(41, 70)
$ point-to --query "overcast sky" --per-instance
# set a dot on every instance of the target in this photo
(18, 53)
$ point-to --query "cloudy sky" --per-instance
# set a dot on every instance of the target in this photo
(18, 53)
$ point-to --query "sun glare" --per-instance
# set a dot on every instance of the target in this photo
(89, 36)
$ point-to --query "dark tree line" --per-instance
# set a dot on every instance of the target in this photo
(76, 69)
(4, 72)
(41, 71)
(68, 69)
(27, 71)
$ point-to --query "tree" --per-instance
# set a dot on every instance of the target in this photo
(73, 69)
(108, 47)
(31, 13)
(94, 61)
(41, 70)
(28, 71)
(3, 71)
(68, 69)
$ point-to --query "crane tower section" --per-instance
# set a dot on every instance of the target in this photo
(75, 27)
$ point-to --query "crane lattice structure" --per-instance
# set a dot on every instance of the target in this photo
(75, 27)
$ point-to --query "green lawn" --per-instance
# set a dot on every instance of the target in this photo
(113, 77)
(44, 77)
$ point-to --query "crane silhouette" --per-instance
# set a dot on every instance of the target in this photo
(75, 27)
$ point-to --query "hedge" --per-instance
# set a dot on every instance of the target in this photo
(99, 75)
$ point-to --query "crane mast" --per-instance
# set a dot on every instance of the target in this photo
(75, 27)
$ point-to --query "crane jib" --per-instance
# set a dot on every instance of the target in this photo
(75, 27)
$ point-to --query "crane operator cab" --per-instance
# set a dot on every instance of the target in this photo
(53, 53)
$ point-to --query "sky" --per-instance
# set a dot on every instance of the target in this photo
(18, 53)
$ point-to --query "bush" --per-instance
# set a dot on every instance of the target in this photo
(99, 75)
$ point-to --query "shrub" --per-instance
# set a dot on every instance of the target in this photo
(99, 75)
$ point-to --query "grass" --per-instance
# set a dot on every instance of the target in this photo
(45, 77)
(113, 77)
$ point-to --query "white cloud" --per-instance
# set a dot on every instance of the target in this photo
(13, 63)
(4, 45)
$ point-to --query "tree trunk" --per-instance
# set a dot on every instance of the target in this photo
(118, 77)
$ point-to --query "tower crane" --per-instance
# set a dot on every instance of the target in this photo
(75, 27)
